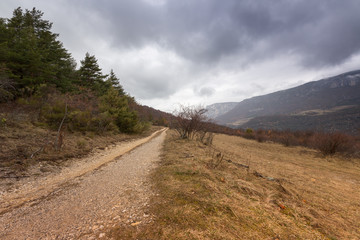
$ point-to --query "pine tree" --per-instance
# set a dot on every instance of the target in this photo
(3, 40)
(35, 56)
(115, 83)
(117, 106)
(91, 75)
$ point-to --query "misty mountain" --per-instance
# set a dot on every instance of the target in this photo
(334, 101)
(217, 109)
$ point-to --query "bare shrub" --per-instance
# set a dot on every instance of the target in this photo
(189, 120)
(327, 143)
(287, 138)
(331, 143)
(260, 135)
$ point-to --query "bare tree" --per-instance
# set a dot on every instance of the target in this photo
(189, 120)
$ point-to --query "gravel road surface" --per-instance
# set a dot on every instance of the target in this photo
(88, 204)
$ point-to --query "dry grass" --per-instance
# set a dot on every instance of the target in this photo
(299, 196)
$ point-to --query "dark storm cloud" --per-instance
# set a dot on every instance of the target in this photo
(178, 49)
(323, 32)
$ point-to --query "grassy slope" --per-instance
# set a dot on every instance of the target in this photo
(309, 197)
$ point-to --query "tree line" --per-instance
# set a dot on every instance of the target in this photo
(33, 63)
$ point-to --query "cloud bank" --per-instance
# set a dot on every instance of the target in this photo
(206, 51)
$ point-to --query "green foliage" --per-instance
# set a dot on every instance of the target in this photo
(126, 121)
(115, 83)
(7, 88)
(91, 75)
(52, 114)
(35, 68)
(3, 122)
(141, 127)
(117, 107)
(85, 121)
(103, 123)
(249, 131)
(79, 121)
(33, 54)
(81, 144)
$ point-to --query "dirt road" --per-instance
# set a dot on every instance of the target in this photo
(85, 200)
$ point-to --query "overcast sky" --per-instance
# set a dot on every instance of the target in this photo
(167, 52)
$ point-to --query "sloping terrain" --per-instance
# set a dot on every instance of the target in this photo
(341, 90)
(242, 189)
(346, 119)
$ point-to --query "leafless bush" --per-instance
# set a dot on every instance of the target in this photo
(260, 135)
(189, 121)
(331, 143)
(287, 138)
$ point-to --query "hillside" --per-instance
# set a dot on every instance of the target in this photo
(344, 119)
(324, 96)
(218, 109)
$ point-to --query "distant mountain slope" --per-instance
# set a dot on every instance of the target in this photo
(325, 94)
(217, 109)
(345, 119)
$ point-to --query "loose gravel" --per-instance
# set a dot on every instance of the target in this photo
(90, 204)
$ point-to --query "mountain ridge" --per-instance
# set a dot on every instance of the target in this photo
(324, 94)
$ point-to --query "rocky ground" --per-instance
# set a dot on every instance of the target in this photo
(84, 200)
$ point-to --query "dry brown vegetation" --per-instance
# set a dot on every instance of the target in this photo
(258, 191)
(328, 143)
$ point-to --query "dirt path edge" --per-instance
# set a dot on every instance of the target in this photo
(33, 192)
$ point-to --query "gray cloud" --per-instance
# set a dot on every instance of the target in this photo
(323, 32)
(170, 51)
(205, 91)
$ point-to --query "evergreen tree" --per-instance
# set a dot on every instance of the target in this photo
(117, 106)
(91, 75)
(34, 55)
(3, 40)
(115, 83)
